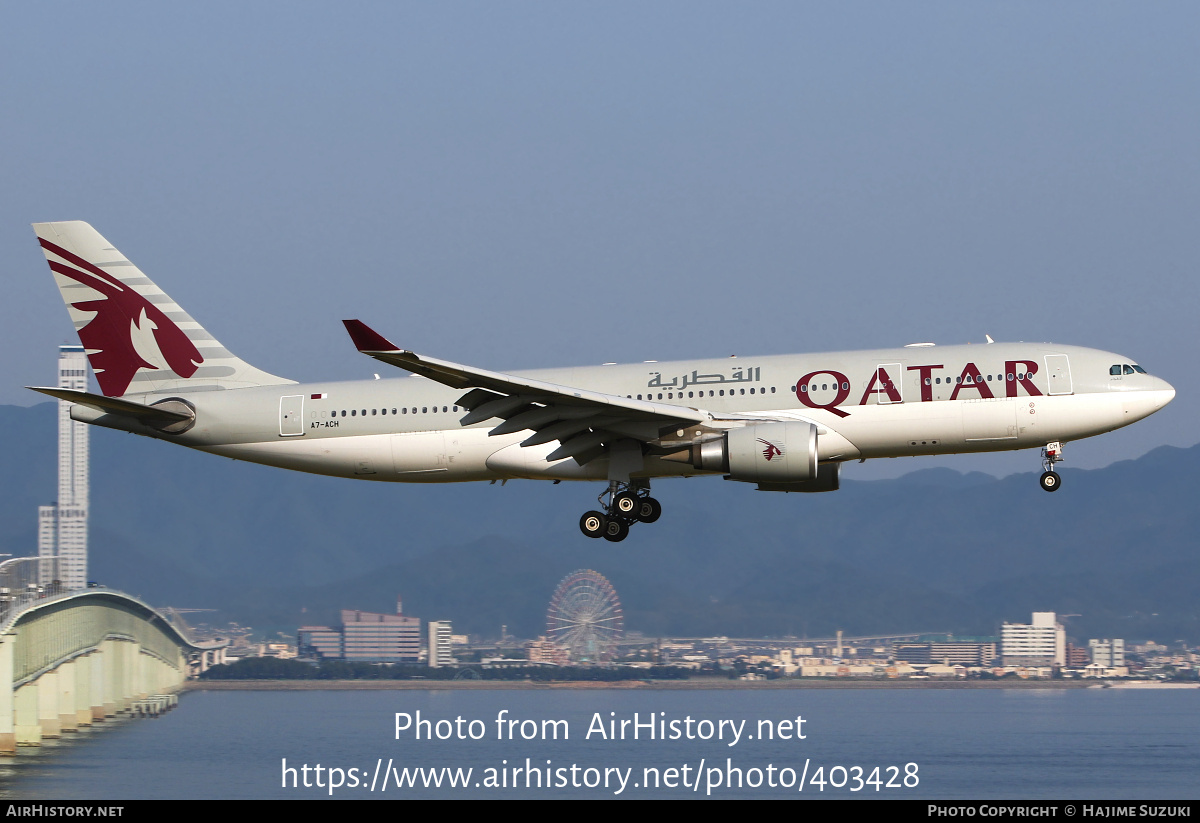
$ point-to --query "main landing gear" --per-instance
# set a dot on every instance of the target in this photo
(627, 504)
(1051, 454)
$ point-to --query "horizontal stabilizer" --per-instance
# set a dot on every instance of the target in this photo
(154, 416)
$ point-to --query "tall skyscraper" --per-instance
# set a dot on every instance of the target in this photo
(440, 652)
(63, 527)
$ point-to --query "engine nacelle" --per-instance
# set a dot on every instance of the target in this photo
(767, 453)
(825, 481)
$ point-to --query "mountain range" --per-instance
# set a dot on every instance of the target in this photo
(935, 550)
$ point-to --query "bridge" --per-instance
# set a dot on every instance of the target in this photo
(75, 658)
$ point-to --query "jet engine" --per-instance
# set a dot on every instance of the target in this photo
(778, 456)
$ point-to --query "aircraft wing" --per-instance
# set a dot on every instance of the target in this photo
(582, 421)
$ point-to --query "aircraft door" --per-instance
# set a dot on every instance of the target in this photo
(889, 383)
(291, 415)
(1058, 374)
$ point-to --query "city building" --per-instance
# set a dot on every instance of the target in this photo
(1040, 643)
(947, 653)
(546, 651)
(1077, 657)
(1109, 654)
(367, 637)
(440, 651)
(320, 641)
(63, 526)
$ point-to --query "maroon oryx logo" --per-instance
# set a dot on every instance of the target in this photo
(771, 451)
(119, 312)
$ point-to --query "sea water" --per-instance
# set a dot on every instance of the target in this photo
(1086, 744)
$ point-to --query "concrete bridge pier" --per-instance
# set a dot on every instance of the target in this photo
(66, 697)
(82, 707)
(47, 692)
(27, 729)
(8, 734)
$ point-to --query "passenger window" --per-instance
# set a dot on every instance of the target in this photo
(374, 412)
(354, 412)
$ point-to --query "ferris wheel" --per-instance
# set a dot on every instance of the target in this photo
(585, 616)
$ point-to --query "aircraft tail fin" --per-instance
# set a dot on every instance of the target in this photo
(137, 338)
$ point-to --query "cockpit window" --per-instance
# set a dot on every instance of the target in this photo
(1129, 370)
(1115, 370)
(1138, 369)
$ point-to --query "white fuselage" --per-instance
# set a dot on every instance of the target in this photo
(888, 403)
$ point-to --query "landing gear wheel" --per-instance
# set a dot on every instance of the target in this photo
(625, 504)
(648, 510)
(593, 524)
(616, 530)
(1050, 481)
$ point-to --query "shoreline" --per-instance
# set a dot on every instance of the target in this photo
(655, 685)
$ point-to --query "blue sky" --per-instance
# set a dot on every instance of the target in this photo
(536, 184)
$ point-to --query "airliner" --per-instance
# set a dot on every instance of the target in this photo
(785, 423)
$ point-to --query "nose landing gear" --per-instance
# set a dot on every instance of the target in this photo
(627, 504)
(1051, 454)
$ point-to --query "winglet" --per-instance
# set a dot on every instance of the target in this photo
(366, 339)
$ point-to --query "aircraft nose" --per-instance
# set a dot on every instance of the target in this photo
(1164, 392)
(1170, 390)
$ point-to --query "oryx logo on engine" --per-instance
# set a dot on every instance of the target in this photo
(771, 451)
